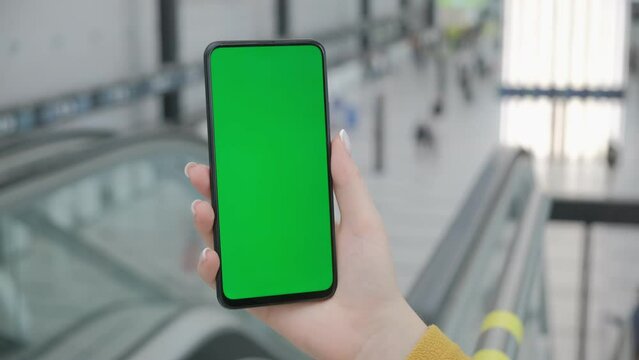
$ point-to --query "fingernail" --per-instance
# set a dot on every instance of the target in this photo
(204, 253)
(345, 139)
(194, 204)
(187, 167)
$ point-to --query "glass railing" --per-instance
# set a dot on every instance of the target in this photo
(515, 324)
(36, 148)
(98, 257)
(536, 341)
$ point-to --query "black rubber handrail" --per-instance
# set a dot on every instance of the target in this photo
(519, 275)
(43, 167)
(20, 150)
(448, 263)
(19, 142)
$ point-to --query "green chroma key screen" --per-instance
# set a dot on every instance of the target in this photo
(270, 154)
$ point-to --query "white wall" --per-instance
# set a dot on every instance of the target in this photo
(311, 17)
(202, 22)
(384, 8)
(48, 48)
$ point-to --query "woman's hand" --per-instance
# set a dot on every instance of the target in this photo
(367, 318)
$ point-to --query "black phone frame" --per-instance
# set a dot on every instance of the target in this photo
(275, 299)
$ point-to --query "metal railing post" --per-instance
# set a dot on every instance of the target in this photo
(282, 18)
(378, 133)
(584, 291)
(168, 21)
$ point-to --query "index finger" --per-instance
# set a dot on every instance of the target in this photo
(199, 175)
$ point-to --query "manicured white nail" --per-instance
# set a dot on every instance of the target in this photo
(204, 253)
(345, 139)
(193, 205)
(187, 167)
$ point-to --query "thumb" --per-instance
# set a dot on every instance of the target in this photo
(355, 203)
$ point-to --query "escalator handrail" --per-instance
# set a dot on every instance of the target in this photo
(448, 263)
(19, 143)
(45, 167)
(518, 278)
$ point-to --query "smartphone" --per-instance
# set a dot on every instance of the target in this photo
(271, 188)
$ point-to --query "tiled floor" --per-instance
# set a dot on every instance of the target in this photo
(419, 191)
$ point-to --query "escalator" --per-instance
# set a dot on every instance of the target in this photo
(456, 286)
(98, 252)
(484, 285)
(97, 259)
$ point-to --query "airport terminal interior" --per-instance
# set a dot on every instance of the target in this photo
(499, 140)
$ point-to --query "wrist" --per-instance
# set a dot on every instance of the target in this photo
(394, 333)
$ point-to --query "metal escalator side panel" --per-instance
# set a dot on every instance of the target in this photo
(447, 264)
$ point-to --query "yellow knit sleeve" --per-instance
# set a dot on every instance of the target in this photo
(435, 345)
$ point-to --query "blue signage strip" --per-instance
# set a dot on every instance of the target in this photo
(46, 112)
(506, 91)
